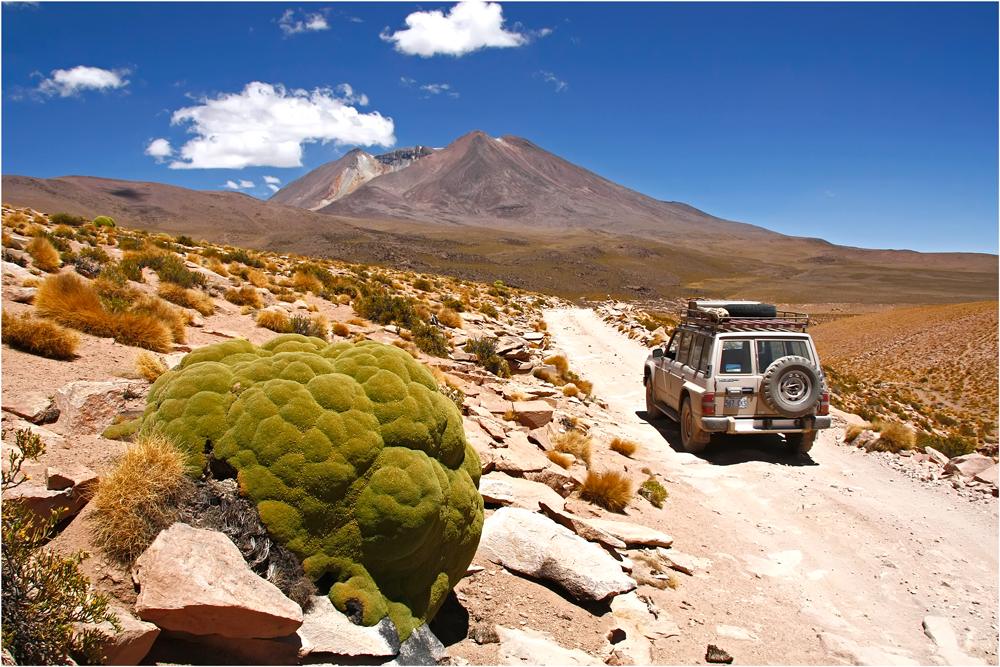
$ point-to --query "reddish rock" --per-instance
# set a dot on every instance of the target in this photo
(533, 414)
(968, 465)
(89, 407)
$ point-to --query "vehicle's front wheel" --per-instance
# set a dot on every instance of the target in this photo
(693, 438)
(652, 412)
(800, 443)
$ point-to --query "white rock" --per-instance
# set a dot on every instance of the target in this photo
(330, 631)
(89, 407)
(533, 647)
(497, 491)
(969, 465)
(939, 630)
(34, 406)
(633, 534)
(127, 646)
(847, 649)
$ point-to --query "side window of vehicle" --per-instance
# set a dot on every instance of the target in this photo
(696, 347)
(706, 356)
(672, 347)
(735, 357)
(685, 349)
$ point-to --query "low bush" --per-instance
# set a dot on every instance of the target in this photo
(453, 304)
(138, 497)
(429, 339)
(623, 447)
(485, 351)
(576, 443)
(67, 219)
(245, 296)
(654, 492)
(43, 254)
(381, 307)
(951, 446)
(315, 326)
(243, 257)
(131, 243)
(489, 310)
(168, 266)
(894, 437)
(450, 318)
(275, 320)
(560, 459)
(422, 284)
(150, 367)
(341, 329)
(186, 298)
(41, 337)
(611, 490)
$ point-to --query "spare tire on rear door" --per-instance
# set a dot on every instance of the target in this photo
(791, 386)
(751, 310)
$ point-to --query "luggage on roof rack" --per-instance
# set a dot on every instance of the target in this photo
(742, 316)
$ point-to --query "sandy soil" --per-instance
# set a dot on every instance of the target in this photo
(870, 550)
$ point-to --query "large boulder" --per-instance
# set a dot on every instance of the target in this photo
(537, 546)
(524, 493)
(581, 527)
(520, 456)
(968, 465)
(87, 407)
(988, 476)
(196, 581)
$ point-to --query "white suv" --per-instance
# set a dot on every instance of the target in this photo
(739, 367)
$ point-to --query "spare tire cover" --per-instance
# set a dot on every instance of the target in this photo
(751, 310)
(791, 386)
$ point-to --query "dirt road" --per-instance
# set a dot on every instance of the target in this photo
(823, 558)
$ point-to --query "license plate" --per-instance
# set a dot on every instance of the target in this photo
(740, 402)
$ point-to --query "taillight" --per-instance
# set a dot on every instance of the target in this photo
(708, 404)
(824, 404)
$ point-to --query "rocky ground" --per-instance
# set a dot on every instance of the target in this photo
(839, 557)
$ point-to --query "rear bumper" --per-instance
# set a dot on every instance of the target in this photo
(768, 425)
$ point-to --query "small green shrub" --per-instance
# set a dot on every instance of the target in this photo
(314, 326)
(104, 221)
(422, 284)
(381, 307)
(131, 243)
(453, 304)
(654, 492)
(429, 339)
(951, 446)
(66, 219)
(487, 309)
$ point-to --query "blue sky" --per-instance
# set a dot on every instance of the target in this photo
(865, 124)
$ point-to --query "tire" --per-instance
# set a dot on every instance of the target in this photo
(652, 412)
(791, 386)
(693, 438)
(751, 310)
(800, 443)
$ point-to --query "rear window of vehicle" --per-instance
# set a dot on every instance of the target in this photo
(769, 351)
(735, 358)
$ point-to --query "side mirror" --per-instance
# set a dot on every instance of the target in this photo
(657, 352)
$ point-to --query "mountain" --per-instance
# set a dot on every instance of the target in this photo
(512, 183)
(337, 179)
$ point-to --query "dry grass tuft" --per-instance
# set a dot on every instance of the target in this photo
(356, 321)
(43, 254)
(560, 362)
(215, 266)
(409, 346)
(450, 318)
(257, 278)
(187, 298)
(560, 459)
(854, 430)
(149, 366)
(275, 320)
(651, 570)
(138, 497)
(894, 437)
(344, 300)
(41, 337)
(245, 296)
(172, 317)
(570, 389)
(611, 490)
(575, 443)
(623, 447)
(341, 329)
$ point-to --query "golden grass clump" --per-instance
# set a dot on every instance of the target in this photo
(560, 362)
(31, 282)
(69, 301)
(854, 430)
(245, 296)
(611, 490)
(149, 366)
(215, 266)
(257, 278)
(570, 389)
(275, 320)
(408, 346)
(894, 437)
(344, 300)
(138, 497)
(172, 317)
(623, 447)
(450, 318)
(649, 569)
(186, 298)
(43, 254)
(560, 459)
(41, 337)
(341, 329)
(575, 443)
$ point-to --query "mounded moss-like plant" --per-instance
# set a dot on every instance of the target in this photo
(43, 254)
(623, 447)
(576, 443)
(611, 490)
(104, 221)
(138, 497)
(354, 459)
(41, 337)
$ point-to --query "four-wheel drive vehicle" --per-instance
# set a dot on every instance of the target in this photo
(739, 367)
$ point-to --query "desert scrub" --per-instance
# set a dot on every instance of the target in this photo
(315, 326)
(149, 366)
(450, 318)
(429, 339)
(654, 492)
(341, 329)
(354, 459)
(67, 300)
(138, 497)
(485, 351)
(623, 447)
(245, 296)
(893, 437)
(41, 337)
(44, 593)
(951, 446)
(275, 320)
(611, 490)
(44, 255)
(186, 298)
(576, 443)
(560, 459)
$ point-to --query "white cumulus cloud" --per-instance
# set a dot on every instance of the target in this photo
(274, 180)
(312, 23)
(469, 26)
(160, 149)
(70, 82)
(266, 125)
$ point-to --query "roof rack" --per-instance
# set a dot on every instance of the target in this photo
(785, 320)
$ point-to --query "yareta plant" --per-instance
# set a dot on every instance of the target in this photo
(354, 459)
(104, 221)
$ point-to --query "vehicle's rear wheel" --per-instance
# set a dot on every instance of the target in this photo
(800, 443)
(693, 438)
(652, 412)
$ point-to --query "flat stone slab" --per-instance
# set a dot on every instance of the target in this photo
(533, 647)
(633, 534)
(330, 631)
(526, 494)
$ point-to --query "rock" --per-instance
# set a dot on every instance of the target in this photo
(75, 475)
(492, 427)
(494, 404)
(825, 620)
(736, 632)
(527, 494)
(89, 407)
(988, 476)
(128, 646)
(632, 534)
(555, 478)
(34, 406)
(533, 336)
(533, 647)
(22, 294)
(580, 527)
(420, 648)
(681, 562)
(865, 438)
(540, 436)
(196, 581)
(954, 656)
(196, 320)
(854, 653)
(496, 491)
(936, 456)
(533, 414)
(520, 367)
(484, 634)
(632, 649)
(631, 607)
(520, 456)
(939, 631)
(45, 503)
(968, 465)
(218, 649)
(330, 631)
(18, 272)
(716, 655)
(535, 545)
(223, 333)
(547, 369)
